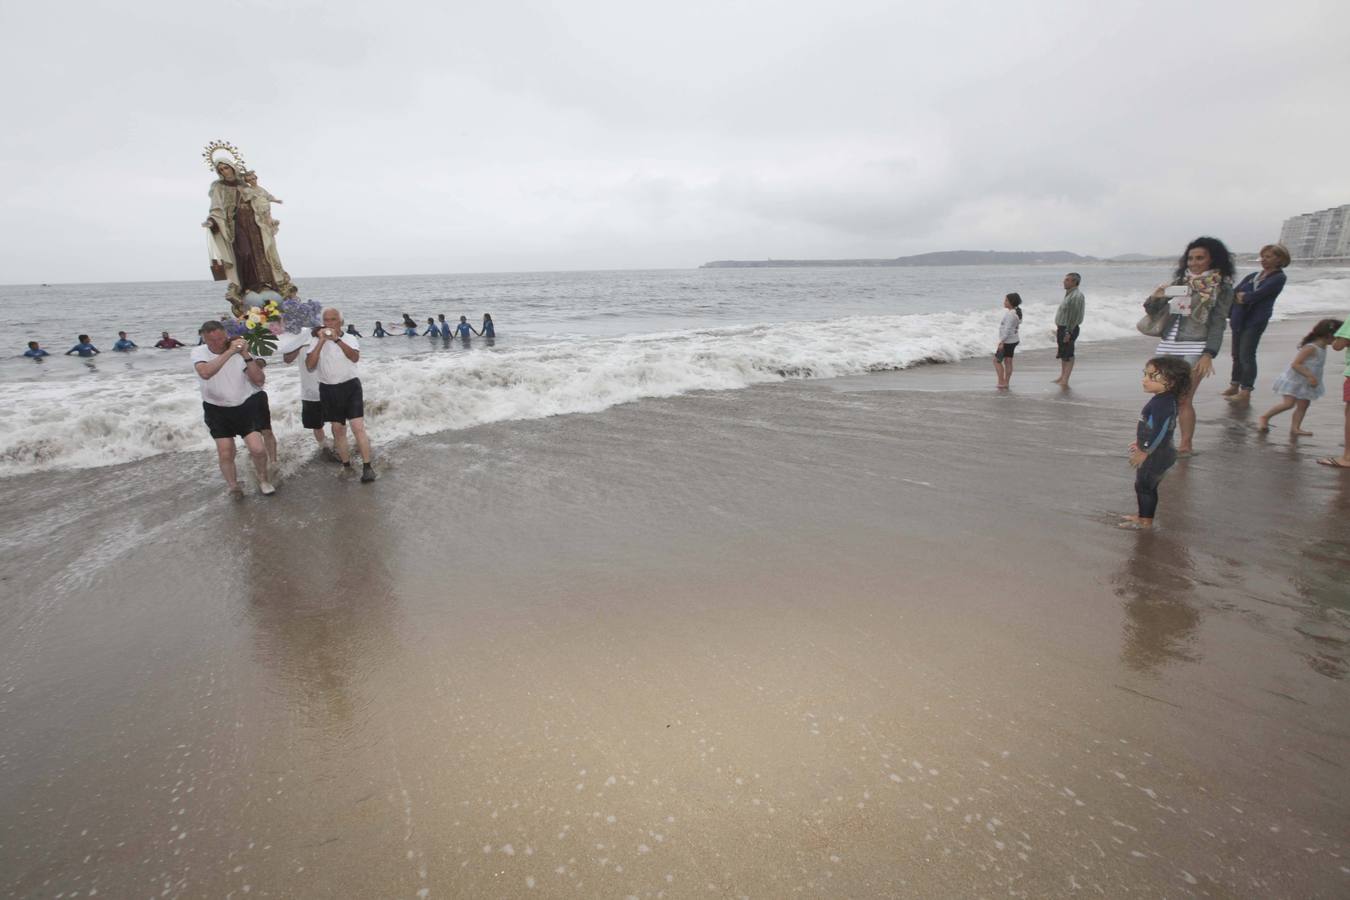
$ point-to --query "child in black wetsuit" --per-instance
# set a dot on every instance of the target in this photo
(1152, 454)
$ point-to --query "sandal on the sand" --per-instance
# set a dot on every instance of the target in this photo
(1333, 462)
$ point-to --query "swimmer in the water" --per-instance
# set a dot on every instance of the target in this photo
(84, 348)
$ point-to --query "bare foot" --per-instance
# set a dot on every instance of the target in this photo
(1136, 524)
(1232, 389)
(236, 492)
(1336, 462)
(1299, 432)
(1263, 424)
(1129, 517)
(1058, 381)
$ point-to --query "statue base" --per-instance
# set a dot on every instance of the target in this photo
(241, 301)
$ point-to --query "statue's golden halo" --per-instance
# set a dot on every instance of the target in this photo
(224, 148)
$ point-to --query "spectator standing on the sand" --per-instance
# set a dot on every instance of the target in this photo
(1068, 318)
(1253, 302)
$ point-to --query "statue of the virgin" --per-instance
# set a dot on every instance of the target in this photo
(241, 233)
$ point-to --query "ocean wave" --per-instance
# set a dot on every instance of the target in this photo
(128, 416)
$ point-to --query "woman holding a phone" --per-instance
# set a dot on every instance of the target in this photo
(1198, 300)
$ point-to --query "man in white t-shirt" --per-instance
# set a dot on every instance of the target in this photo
(333, 356)
(231, 379)
(311, 411)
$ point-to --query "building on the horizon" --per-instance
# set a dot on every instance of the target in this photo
(1323, 234)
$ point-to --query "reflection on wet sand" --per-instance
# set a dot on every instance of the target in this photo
(322, 624)
(1155, 582)
(1321, 579)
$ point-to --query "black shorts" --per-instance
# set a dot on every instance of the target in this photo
(1064, 341)
(311, 413)
(230, 421)
(262, 410)
(342, 401)
(1005, 352)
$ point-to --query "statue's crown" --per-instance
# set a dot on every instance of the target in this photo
(224, 148)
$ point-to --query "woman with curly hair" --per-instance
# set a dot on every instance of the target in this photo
(1195, 320)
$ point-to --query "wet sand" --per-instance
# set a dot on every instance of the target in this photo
(869, 637)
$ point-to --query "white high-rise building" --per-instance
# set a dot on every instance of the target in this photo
(1318, 235)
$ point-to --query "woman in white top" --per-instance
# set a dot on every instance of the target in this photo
(1009, 334)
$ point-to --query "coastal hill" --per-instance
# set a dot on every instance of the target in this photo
(941, 258)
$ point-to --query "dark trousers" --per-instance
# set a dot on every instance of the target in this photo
(1244, 354)
(1149, 475)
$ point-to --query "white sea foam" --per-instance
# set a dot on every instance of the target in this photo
(126, 416)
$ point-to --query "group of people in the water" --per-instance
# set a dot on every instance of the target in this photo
(436, 327)
(84, 346)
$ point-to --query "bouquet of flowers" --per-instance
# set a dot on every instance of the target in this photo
(261, 325)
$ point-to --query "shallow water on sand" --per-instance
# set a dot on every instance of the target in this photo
(791, 639)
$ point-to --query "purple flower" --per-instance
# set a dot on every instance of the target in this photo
(298, 315)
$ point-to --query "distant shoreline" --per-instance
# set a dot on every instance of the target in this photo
(958, 258)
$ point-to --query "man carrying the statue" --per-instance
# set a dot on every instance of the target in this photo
(233, 404)
(333, 354)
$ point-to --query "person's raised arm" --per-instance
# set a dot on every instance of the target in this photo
(207, 368)
(1156, 300)
(347, 350)
(312, 357)
(253, 368)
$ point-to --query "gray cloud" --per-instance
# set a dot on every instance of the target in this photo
(409, 137)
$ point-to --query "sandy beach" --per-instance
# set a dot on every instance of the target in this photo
(875, 636)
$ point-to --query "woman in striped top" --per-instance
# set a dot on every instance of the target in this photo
(1196, 320)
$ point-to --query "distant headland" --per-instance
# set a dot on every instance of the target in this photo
(941, 258)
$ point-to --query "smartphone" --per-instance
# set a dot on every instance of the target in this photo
(1177, 290)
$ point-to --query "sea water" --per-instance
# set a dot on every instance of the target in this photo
(567, 342)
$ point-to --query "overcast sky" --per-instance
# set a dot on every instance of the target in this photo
(457, 137)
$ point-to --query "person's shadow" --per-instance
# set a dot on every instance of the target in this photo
(1155, 583)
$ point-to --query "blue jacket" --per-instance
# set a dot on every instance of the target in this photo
(1259, 303)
